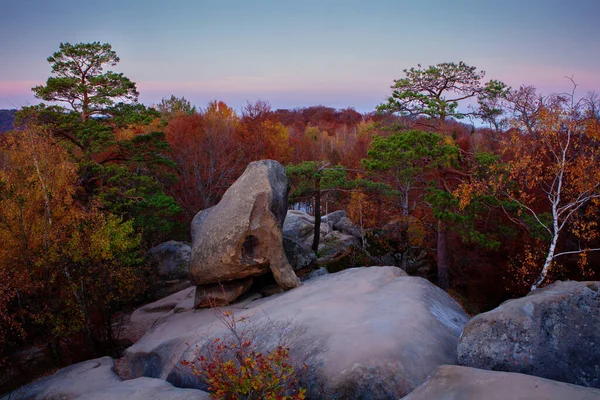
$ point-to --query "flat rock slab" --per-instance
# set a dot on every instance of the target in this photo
(96, 379)
(71, 382)
(145, 389)
(451, 382)
(379, 332)
(553, 333)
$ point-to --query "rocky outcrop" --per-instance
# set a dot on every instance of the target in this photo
(241, 237)
(454, 382)
(338, 235)
(171, 260)
(221, 294)
(375, 331)
(170, 263)
(132, 327)
(145, 389)
(298, 253)
(553, 333)
(96, 379)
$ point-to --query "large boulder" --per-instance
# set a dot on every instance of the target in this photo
(338, 237)
(347, 227)
(553, 333)
(298, 225)
(374, 332)
(241, 237)
(299, 254)
(171, 260)
(96, 379)
(454, 382)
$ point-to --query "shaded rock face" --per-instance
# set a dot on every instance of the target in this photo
(299, 254)
(378, 332)
(171, 260)
(141, 320)
(553, 333)
(221, 294)
(96, 379)
(454, 382)
(241, 236)
(338, 235)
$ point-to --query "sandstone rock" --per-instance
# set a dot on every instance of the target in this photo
(333, 218)
(145, 389)
(298, 225)
(336, 245)
(316, 273)
(346, 226)
(454, 382)
(141, 320)
(70, 382)
(95, 380)
(221, 294)
(171, 260)
(298, 254)
(378, 332)
(554, 333)
(241, 237)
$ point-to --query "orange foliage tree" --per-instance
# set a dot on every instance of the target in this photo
(552, 173)
(54, 248)
(208, 157)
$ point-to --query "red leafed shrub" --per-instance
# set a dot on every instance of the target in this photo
(236, 367)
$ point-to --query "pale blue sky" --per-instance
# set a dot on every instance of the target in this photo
(301, 52)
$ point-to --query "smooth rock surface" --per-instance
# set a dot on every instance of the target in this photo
(96, 380)
(241, 237)
(145, 389)
(553, 332)
(378, 332)
(451, 382)
(145, 317)
(70, 382)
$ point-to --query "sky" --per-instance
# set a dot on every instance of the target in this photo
(297, 53)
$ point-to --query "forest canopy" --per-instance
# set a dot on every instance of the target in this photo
(91, 179)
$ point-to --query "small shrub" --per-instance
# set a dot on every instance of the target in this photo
(236, 367)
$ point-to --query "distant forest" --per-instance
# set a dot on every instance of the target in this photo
(7, 117)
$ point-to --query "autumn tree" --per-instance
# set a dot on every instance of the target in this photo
(208, 157)
(552, 172)
(121, 154)
(260, 135)
(85, 260)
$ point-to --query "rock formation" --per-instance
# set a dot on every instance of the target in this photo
(338, 236)
(376, 331)
(553, 333)
(454, 382)
(241, 238)
(96, 379)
